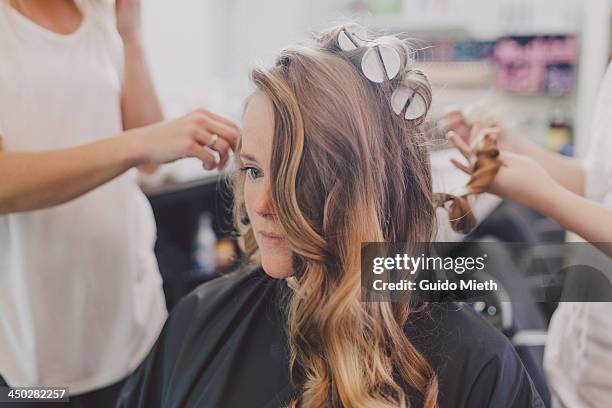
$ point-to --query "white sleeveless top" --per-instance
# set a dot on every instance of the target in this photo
(81, 300)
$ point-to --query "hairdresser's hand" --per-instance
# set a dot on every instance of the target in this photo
(520, 178)
(128, 19)
(455, 121)
(200, 134)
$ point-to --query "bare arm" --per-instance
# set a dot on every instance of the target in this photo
(43, 179)
(525, 180)
(35, 180)
(564, 170)
(38, 180)
(139, 102)
(591, 220)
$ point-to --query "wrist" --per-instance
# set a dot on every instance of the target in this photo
(516, 143)
(134, 150)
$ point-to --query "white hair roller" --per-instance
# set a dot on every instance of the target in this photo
(382, 63)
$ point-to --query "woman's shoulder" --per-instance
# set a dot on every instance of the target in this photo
(225, 292)
(456, 326)
(455, 332)
(204, 333)
(476, 364)
(104, 9)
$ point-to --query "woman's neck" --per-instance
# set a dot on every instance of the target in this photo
(59, 16)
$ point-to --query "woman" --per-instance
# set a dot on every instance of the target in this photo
(81, 301)
(326, 164)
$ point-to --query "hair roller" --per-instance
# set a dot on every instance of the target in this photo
(412, 98)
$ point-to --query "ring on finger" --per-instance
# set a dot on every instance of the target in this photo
(213, 141)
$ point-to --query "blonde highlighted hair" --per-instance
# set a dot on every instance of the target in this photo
(345, 169)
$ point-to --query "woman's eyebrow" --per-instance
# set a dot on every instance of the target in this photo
(249, 157)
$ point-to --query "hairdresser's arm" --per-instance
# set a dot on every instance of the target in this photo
(591, 220)
(43, 179)
(139, 102)
(35, 180)
(566, 171)
(524, 180)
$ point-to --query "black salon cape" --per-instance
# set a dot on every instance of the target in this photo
(224, 346)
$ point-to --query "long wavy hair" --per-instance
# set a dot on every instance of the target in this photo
(345, 170)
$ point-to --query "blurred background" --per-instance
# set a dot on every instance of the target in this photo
(540, 58)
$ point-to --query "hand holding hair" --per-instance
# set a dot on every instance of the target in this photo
(524, 180)
(483, 165)
(513, 176)
(461, 121)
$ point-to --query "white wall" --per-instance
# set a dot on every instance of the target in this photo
(201, 51)
(175, 38)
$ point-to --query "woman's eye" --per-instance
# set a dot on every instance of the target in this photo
(252, 172)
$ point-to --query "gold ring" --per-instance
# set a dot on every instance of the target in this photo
(213, 141)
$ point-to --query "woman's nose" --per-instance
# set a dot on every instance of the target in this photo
(264, 203)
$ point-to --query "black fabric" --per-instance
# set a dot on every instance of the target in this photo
(224, 346)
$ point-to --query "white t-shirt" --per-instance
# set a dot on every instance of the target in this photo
(578, 353)
(81, 300)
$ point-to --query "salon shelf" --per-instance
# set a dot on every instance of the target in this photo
(460, 74)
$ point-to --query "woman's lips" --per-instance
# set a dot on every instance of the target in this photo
(270, 238)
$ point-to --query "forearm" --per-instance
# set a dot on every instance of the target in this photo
(140, 105)
(564, 170)
(36, 180)
(591, 220)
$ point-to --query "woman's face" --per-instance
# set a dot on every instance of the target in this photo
(257, 135)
